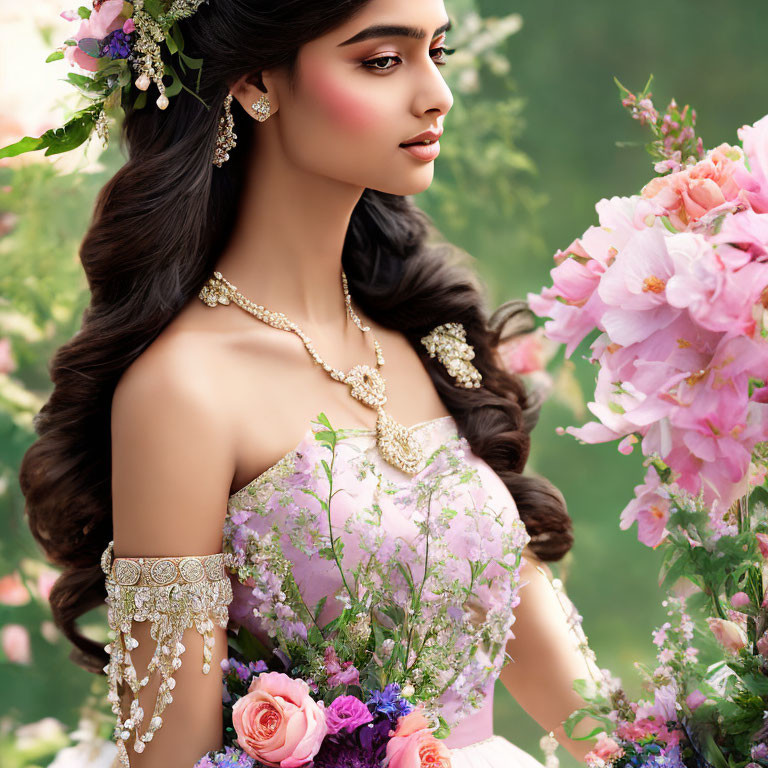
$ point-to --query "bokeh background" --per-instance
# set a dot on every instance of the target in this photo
(530, 147)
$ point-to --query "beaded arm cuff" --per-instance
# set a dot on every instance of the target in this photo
(173, 593)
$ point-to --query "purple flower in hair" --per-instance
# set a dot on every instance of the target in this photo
(117, 45)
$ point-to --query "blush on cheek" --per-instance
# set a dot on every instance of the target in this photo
(342, 101)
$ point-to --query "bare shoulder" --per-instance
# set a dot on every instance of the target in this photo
(532, 561)
(172, 452)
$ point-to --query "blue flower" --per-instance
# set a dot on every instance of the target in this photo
(228, 758)
(389, 702)
(655, 756)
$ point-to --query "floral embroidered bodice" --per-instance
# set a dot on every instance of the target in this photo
(451, 533)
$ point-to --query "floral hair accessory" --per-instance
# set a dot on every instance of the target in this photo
(448, 342)
(125, 47)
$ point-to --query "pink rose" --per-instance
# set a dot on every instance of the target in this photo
(762, 542)
(729, 634)
(687, 195)
(14, 639)
(278, 722)
(412, 745)
(346, 713)
(107, 18)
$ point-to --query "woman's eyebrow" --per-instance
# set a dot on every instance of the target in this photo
(390, 30)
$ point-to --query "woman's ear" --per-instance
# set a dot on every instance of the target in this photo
(249, 88)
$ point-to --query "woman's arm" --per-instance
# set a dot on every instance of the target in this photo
(548, 653)
(171, 473)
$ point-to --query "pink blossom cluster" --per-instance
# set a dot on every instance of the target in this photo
(676, 144)
(676, 281)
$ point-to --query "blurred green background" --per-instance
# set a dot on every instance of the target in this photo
(530, 147)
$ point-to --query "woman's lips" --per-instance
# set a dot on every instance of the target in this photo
(423, 151)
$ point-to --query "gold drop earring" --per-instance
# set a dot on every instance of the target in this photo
(226, 138)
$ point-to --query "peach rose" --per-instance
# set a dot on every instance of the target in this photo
(412, 745)
(278, 722)
(689, 194)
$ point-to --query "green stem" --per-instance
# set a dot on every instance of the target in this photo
(421, 589)
(330, 525)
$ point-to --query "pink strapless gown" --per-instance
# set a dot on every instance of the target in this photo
(384, 515)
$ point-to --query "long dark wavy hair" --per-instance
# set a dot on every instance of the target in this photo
(159, 225)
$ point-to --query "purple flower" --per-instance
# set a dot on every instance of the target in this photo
(240, 669)
(229, 757)
(334, 755)
(389, 702)
(257, 667)
(346, 713)
(667, 758)
(759, 751)
(117, 45)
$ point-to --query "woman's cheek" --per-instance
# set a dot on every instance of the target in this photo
(351, 109)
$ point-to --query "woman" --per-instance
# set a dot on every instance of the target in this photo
(170, 411)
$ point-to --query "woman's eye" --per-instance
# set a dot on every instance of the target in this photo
(442, 52)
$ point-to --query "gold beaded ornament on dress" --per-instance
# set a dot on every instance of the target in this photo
(173, 594)
(448, 342)
(396, 442)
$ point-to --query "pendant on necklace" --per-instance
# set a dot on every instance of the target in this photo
(396, 442)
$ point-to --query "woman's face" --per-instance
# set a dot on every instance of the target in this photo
(359, 95)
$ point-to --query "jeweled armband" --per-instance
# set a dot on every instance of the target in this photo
(174, 594)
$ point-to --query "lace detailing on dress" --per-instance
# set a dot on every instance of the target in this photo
(174, 594)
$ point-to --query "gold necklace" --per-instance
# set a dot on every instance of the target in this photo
(396, 442)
